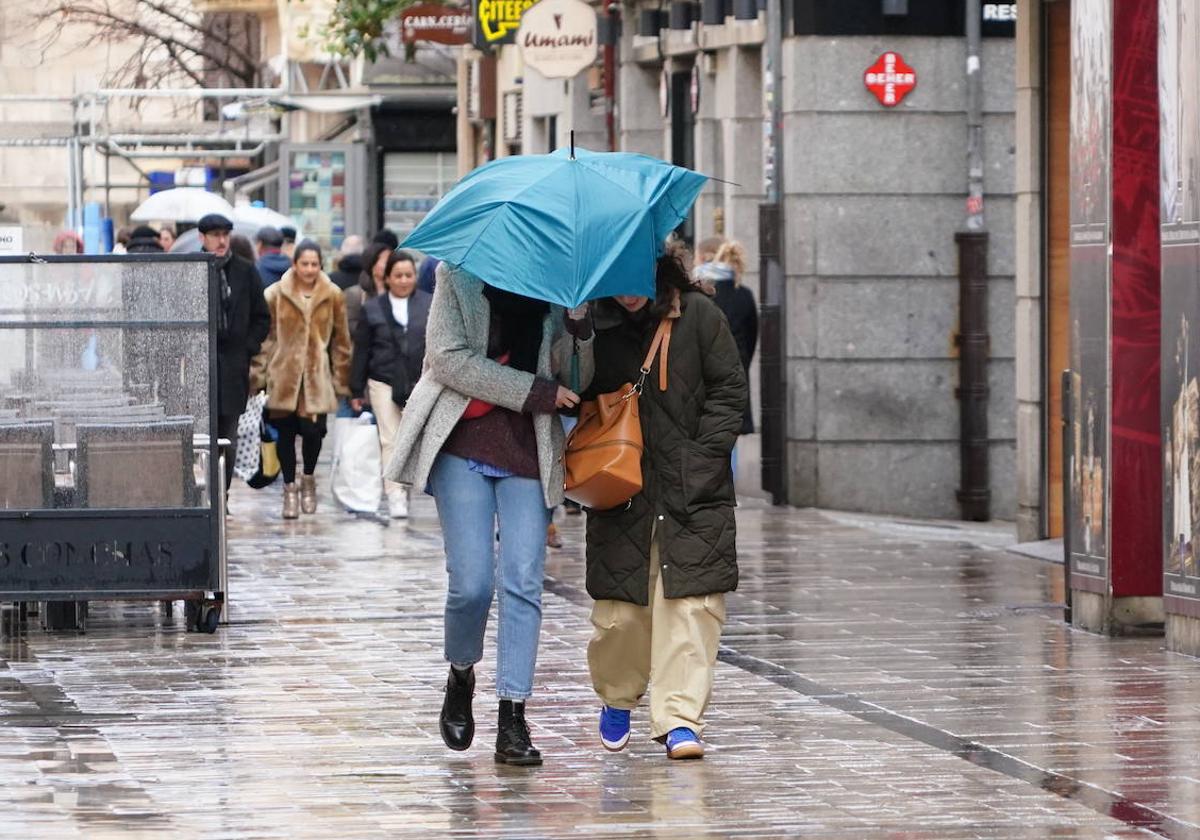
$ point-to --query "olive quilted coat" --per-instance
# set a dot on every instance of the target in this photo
(689, 432)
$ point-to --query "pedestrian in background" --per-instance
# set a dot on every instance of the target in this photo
(427, 277)
(121, 246)
(706, 251)
(241, 247)
(243, 324)
(304, 365)
(389, 349)
(166, 237)
(387, 237)
(144, 240)
(481, 432)
(370, 282)
(349, 264)
(272, 263)
(659, 566)
(289, 241)
(723, 274)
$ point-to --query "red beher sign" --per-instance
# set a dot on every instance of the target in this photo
(890, 79)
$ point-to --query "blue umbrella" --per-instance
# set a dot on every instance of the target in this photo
(563, 227)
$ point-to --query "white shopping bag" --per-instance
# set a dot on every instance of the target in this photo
(356, 483)
(249, 438)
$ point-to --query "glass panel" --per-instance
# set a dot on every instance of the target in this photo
(104, 384)
(317, 197)
(412, 184)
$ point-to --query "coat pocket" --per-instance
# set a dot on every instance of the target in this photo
(706, 479)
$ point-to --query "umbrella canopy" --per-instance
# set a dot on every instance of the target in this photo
(560, 227)
(181, 204)
(262, 217)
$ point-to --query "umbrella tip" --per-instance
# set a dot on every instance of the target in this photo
(572, 144)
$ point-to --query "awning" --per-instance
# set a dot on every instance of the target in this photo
(327, 103)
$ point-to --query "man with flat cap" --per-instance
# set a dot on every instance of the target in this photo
(272, 262)
(243, 324)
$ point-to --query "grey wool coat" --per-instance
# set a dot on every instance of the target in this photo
(457, 369)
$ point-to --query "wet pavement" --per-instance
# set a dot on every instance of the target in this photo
(877, 679)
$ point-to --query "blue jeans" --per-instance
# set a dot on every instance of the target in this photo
(468, 505)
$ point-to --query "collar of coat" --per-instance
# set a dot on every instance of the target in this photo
(324, 289)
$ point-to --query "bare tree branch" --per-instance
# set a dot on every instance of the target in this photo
(173, 41)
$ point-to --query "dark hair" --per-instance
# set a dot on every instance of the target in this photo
(307, 245)
(387, 237)
(289, 234)
(399, 257)
(370, 256)
(241, 246)
(671, 278)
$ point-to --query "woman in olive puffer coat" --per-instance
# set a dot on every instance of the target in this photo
(659, 566)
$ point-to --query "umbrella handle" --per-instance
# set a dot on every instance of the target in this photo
(575, 368)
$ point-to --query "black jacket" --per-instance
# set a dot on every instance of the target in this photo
(247, 323)
(349, 269)
(688, 435)
(387, 352)
(737, 302)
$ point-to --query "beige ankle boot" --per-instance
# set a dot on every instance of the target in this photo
(308, 493)
(291, 501)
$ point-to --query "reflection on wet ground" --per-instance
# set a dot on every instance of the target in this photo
(875, 682)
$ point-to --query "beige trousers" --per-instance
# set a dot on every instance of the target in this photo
(670, 645)
(387, 418)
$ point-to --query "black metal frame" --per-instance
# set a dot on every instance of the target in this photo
(88, 526)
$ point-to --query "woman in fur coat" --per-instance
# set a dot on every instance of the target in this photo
(305, 366)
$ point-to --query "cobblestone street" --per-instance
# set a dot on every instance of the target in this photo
(878, 679)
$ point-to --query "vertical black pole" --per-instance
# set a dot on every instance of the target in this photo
(975, 495)
(1068, 456)
(772, 278)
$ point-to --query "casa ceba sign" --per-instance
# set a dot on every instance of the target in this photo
(558, 38)
(436, 23)
(497, 21)
(890, 79)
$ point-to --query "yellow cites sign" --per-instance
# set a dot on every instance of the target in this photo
(498, 19)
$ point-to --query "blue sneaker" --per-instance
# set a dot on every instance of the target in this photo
(683, 743)
(614, 728)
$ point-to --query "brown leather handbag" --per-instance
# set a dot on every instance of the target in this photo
(603, 459)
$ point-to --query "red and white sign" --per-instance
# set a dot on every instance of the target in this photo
(890, 79)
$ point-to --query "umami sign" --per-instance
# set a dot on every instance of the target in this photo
(497, 21)
(558, 38)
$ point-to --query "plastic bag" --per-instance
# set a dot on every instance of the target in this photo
(249, 438)
(357, 484)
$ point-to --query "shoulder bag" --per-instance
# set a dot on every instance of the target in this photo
(603, 458)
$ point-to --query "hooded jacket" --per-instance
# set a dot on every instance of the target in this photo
(272, 266)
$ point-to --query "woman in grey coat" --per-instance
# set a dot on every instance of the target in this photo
(481, 434)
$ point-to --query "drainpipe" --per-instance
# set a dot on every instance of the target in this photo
(974, 495)
(772, 281)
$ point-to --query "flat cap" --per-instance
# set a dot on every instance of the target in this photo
(213, 221)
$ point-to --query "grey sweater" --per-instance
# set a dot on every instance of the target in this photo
(458, 369)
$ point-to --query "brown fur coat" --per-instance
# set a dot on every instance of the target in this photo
(305, 361)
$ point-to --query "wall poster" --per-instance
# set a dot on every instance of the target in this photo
(1179, 98)
(1091, 133)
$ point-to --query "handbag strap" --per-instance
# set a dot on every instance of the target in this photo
(661, 342)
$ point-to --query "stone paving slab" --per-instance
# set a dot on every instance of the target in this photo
(887, 681)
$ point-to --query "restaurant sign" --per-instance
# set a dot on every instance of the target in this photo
(497, 21)
(436, 23)
(558, 38)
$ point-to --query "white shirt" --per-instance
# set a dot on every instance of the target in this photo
(399, 309)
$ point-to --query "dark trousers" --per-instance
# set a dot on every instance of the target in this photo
(227, 427)
(311, 433)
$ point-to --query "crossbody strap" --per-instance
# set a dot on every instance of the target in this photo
(662, 342)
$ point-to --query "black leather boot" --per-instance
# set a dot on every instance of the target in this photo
(456, 722)
(512, 741)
